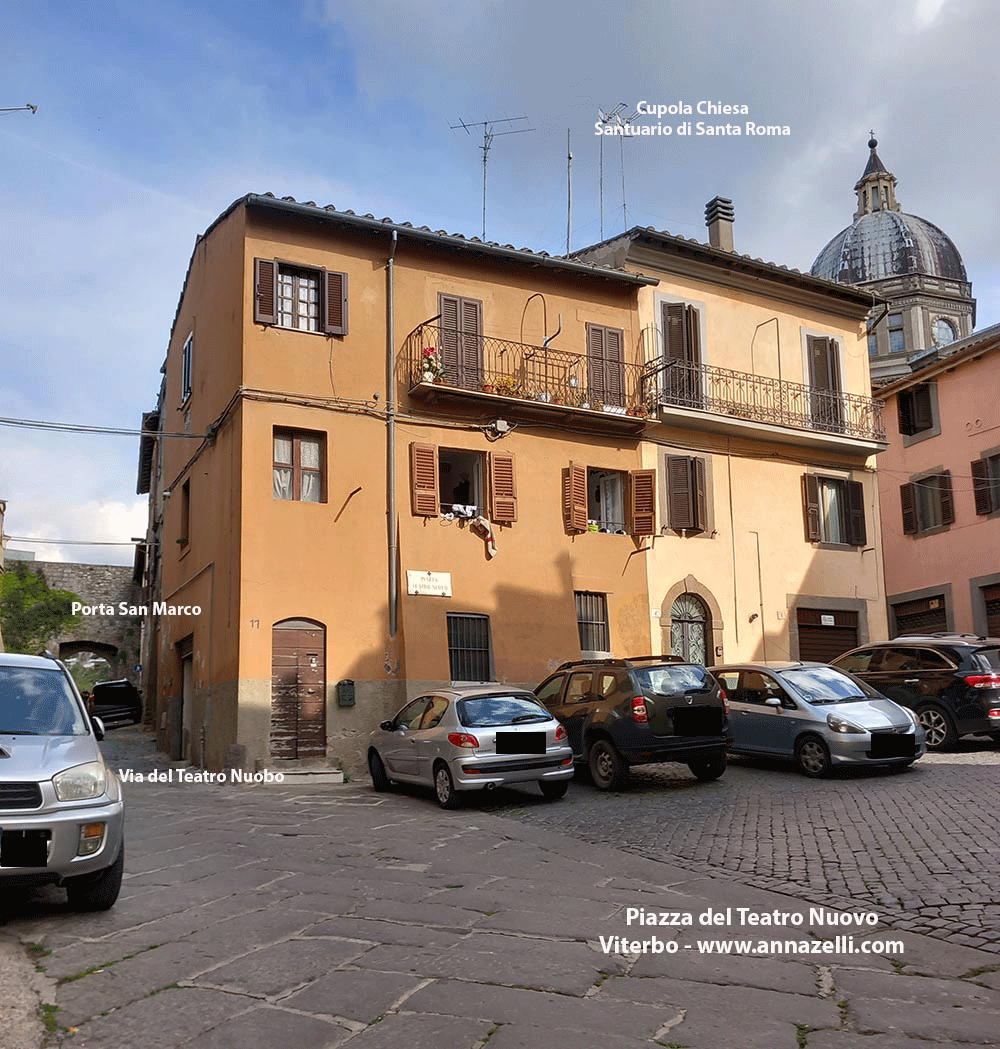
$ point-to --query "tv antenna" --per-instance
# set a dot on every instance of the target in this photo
(624, 122)
(608, 118)
(19, 109)
(488, 135)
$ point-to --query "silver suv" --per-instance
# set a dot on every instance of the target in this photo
(61, 819)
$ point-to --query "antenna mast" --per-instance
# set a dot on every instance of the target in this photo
(488, 135)
(608, 119)
(569, 191)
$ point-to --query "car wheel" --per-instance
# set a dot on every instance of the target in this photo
(813, 756)
(97, 892)
(444, 788)
(554, 791)
(607, 767)
(708, 768)
(939, 729)
(380, 778)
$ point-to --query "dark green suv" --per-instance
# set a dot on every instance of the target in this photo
(623, 712)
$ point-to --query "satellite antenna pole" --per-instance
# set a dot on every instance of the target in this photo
(607, 119)
(569, 191)
(488, 135)
(19, 109)
(624, 122)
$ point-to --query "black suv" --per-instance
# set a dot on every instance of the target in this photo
(951, 681)
(117, 702)
(622, 712)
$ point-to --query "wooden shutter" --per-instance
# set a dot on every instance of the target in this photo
(981, 487)
(335, 303)
(265, 280)
(575, 498)
(450, 332)
(923, 417)
(857, 534)
(596, 387)
(691, 334)
(907, 502)
(472, 343)
(700, 496)
(642, 502)
(674, 329)
(680, 503)
(424, 480)
(810, 507)
(614, 366)
(947, 499)
(503, 488)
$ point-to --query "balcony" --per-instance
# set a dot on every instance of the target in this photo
(443, 365)
(700, 396)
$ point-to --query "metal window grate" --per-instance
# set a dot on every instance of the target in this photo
(592, 619)
(469, 647)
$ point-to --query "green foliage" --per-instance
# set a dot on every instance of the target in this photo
(31, 612)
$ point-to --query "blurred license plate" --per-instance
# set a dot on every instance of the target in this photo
(520, 742)
(697, 721)
(892, 745)
(23, 848)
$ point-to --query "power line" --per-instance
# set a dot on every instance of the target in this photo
(113, 431)
(74, 542)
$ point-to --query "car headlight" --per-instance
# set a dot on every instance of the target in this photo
(838, 724)
(81, 782)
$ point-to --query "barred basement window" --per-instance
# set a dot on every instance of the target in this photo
(469, 647)
(592, 619)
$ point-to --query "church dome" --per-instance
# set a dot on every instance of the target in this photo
(884, 241)
(888, 244)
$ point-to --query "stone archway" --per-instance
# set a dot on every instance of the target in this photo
(714, 626)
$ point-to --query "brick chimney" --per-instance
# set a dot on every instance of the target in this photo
(719, 219)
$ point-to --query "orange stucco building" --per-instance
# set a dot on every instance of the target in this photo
(385, 458)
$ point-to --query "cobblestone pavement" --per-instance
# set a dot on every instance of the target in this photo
(921, 847)
(270, 917)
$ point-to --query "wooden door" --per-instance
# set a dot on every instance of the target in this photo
(298, 690)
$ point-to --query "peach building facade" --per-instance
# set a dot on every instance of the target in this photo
(385, 458)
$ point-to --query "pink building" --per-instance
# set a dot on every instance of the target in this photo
(939, 489)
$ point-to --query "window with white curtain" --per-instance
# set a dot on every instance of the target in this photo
(298, 465)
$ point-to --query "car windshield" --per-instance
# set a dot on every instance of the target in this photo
(819, 685)
(987, 658)
(491, 711)
(668, 680)
(38, 702)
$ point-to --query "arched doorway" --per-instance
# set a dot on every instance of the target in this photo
(690, 629)
(298, 689)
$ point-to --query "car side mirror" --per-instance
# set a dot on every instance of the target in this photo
(772, 701)
(386, 726)
(98, 727)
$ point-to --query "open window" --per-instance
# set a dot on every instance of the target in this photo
(302, 298)
(462, 482)
(620, 502)
(834, 510)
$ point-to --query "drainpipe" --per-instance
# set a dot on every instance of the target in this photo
(390, 436)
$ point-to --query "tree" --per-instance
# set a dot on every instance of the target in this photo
(31, 612)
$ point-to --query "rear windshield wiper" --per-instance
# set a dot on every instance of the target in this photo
(521, 718)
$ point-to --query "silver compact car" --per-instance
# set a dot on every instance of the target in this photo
(61, 819)
(817, 715)
(472, 738)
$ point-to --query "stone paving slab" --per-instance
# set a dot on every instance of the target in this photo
(948, 1023)
(355, 994)
(269, 1028)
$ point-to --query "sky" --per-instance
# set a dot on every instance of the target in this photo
(153, 118)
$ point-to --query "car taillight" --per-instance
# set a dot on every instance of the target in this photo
(463, 739)
(639, 714)
(983, 680)
(560, 733)
(725, 701)
(994, 714)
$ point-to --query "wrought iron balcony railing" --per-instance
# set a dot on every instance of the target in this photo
(477, 363)
(760, 399)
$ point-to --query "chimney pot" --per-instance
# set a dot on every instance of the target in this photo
(719, 216)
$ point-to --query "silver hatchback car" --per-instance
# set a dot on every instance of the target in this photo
(61, 818)
(817, 715)
(472, 738)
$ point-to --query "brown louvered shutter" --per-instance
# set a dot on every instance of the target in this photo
(265, 281)
(472, 343)
(614, 366)
(674, 327)
(907, 503)
(981, 487)
(503, 488)
(335, 303)
(450, 333)
(424, 479)
(575, 498)
(947, 499)
(642, 502)
(680, 504)
(810, 507)
(596, 385)
(857, 534)
(904, 409)
(923, 417)
(700, 496)
(691, 335)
